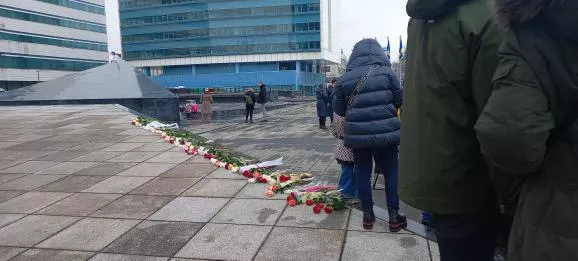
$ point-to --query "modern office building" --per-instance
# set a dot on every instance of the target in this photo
(45, 39)
(231, 44)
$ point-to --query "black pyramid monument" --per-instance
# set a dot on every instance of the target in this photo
(112, 83)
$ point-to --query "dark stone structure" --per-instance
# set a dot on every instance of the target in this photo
(113, 83)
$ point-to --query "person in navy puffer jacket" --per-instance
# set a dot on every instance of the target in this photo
(372, 128)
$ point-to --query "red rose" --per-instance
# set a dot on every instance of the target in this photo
(309, 202)
(227, 166)
(328, 210)
(247, 174)
(292, 203)
(320, 205)
(283, 178)
(207, 155)
(316, 210)
(172, 141)
(261, 180)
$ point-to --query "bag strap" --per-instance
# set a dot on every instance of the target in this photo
(360, 85)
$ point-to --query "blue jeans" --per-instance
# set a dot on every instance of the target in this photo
(347, 181)
(388, 159)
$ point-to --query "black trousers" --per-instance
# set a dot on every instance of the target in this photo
(470, 237)
(249, 112)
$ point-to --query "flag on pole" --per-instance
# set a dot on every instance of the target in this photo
(400, 48)
(388, 49)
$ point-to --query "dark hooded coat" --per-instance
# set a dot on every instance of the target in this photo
(529, 129)
(371, 121)
(451, 57)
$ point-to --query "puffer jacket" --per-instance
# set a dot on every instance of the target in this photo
(342, 153)
(371, 121)
(529, 128)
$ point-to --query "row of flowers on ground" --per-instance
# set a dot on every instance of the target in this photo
(299, 187)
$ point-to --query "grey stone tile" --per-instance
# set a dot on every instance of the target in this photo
(189, 171)
(118, 184)
(6, 219)
(123, 147)
(80, 204)
(4, 164)
(434, 251)
(6, 144)
(143, 139)
(105, 169)
(147, 169)
(119, 257)
(72, 183)
(52, 255)
(133, 206)
(90, 234)
(64, 155)
(31, 202)
(9, 252)
(111, 138)
(190, 209)
(133, 132)
(250, 212)
(257, 190)
(98, 156)
(170, 157)
(29, 167)
(222, 173)
(156, 146)
(303, 216)
(165, 186)
(91, 146)
(216, 188)
(289, 244)
(225, 242)
(23, 155)
(67, 168)
(197, 159)
(30, 230)
(6, 195)
(8, 177)
(384, 246)
(155, 238)
(356, 223)
(138, 156)
(30, 182)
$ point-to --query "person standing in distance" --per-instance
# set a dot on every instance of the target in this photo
(263, 99)
(451, 57)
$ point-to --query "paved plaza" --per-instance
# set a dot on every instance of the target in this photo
(81, 183)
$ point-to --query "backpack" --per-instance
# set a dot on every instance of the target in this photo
(248, 99)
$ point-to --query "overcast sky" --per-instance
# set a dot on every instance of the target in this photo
(358, 19)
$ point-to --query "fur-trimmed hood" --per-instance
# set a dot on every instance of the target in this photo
(560, 15)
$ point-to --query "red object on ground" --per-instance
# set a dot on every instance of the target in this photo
(182, 142)
(247, 174)
(133, 123)
(309, 202)
(292, 203)
(316, 210)
(283, 178)
(320, 205)
(328, 210)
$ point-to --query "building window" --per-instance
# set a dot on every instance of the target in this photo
(156, 71)
(51, 20)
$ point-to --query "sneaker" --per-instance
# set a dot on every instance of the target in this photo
(368, 220)
(397, 223)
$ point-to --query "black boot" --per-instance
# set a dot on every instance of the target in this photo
(368, 218)
(396, 221)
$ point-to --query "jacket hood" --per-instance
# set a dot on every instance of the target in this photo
(367, 52)
(560, 15)
(431, 9)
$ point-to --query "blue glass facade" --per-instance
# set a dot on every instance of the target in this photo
(165, 29)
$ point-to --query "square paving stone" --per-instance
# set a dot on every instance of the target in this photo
(133, 206)
(31, 202)
(289, 244)
(434, 250)
(6, 219)
(251, 212)
(138, 156)
(143, 139)
(123, 147)
(133, 132)
(303, 216)
(8, 177)
(257, 190)
(225, 242)
(170, 157)
(226, 188)
(118, 184)
(222, 173)
(190, 209)
(9, 252)
(6, 144)
(30, 182)
(80, 204)
(30, 230)
(189, 171)
(72, 183)
(155, 238)
(91, 146)
(105, 169)
(29, 167)
(52, 255)
(91, 234)
(64, 155)
(155, 146)
(6, 195)
(23, 155)
(165, 186)
(119, 257)
(98, 156)
(197, 159)
(384, 246)
(147, 169)
(4, 164)
(67, 168)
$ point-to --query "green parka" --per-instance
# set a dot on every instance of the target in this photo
(452, 55)
(529, 127)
